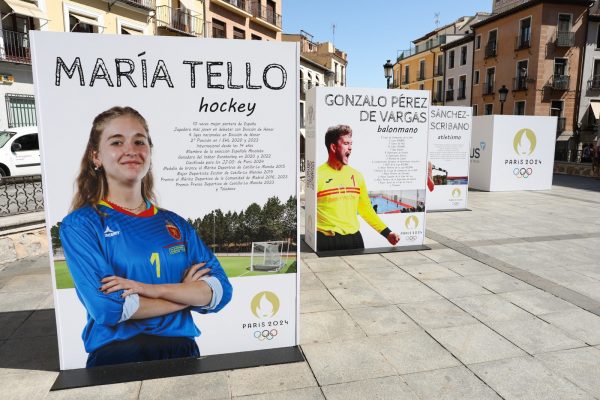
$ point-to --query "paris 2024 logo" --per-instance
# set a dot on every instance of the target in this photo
(524, 144)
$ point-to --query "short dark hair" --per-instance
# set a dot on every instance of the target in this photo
(334, 132)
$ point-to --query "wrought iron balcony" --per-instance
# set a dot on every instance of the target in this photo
(421, 75)
(561, 125)
(243, 5)
(559, 82)
(145, 4)
(519, 83)
(15, 47)
(462, 93)
(450, 95)
(179, 21)
(565, 39)
(491, 49)
(439, 70)
(594, 83)
(488, 88)
(523, 42)
(266, 14)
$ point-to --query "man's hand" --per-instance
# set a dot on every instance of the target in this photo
(195, 272)
(114, 283)
(393, 238)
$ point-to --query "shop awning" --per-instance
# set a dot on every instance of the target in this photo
(565, 136)
(595, 106)
(25, 8)
(86, 20)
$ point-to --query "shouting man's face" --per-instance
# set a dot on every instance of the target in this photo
(343, 148)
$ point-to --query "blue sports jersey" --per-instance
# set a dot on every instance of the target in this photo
(156, 249)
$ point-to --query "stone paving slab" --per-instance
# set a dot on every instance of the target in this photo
(385, 275)
(437, 314)
(491, 307)
(580, 324)
(313, 393)
(272, 378)
(359, 296)
(328, 326)
(125, 391)
(429, 271)
(318, 300)
(469, 267)
(392, 387)
(527, 379)
(499, 283)
(475, 343)
(406, 292)
(211, 386)
(309, 281)
(376, 321)
(538, 302)
(407, 258)
(346, 361)
(26, 385)
(414, 351)
(456, 383)
(368, 261)
(580, 366)
(326, 264)
(342, 279)
(452, 288)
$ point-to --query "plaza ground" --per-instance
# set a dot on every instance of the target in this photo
(505, 305)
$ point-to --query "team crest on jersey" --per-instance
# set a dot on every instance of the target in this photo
(173, 231)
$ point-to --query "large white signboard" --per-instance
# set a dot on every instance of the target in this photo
(221, 117)
(510, 152)
(366, 168)
(448, 157)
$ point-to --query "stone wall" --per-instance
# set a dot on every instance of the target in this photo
(21, 244)
(580, 169)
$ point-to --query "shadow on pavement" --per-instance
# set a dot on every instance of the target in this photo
(28, 340)
(576, 182)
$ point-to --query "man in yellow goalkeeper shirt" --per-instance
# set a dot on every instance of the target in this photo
(341, 195)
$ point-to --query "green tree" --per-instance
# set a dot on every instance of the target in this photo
(270, 220)
(55, 236)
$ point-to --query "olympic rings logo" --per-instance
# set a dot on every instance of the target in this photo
(522, 172)
(266, 334)
(411, 238)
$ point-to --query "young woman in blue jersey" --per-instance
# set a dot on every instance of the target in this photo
(139, 270)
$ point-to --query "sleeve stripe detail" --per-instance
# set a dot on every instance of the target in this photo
(338, 191)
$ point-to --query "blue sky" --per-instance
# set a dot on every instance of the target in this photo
(372, 31)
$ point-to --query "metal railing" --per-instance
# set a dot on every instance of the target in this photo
(402, 54)
(179, 21)
(491, 49)
(243, 5)
(560, 82)
(594, 83)
(421, 75)
(20, 110)
(561, 125)
(450, 95)
(21, 194)
(146, 4)
(462, 93)
(565, 38)
(15, 47)
(523, 42)
(266, 14)
(520, 83)
(488, 88)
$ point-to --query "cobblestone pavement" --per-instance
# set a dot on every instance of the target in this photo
(506, 304)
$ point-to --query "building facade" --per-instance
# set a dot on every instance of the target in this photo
(458, 77)
(534, 49)
(244, 19)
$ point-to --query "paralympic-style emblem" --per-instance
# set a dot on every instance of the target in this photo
(456, 193)
(524, 142)
(411, 223)
(265, 305)
(173, 230)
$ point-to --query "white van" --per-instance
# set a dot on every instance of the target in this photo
(19, 152)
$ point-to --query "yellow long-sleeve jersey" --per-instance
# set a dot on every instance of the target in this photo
(340, 195)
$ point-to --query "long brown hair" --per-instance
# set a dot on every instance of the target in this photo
(91, 182)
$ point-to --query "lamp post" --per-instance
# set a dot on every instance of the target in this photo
(503, 92)
(388, 69)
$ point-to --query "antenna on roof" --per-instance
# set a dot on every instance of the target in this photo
(436, 19)
(333, 31)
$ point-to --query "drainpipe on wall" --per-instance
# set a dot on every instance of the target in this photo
(204, 18)
(578, 90)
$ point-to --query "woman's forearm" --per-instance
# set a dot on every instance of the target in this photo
(156, 308)
(197, 293)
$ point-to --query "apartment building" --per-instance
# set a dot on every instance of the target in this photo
(589, 101)
(244, 19)
(422, 66)
(534, 49)
(458, 68)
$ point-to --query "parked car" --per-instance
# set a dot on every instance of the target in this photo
(19, 152)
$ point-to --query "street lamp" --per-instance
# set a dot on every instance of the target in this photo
(503, 92)
(388, 68)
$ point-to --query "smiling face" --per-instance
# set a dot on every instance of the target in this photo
(343, 148)
(123, 151)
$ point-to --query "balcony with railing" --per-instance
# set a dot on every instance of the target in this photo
(491, 49)
(438, 41)
(462, 93)
(179, 21)
(520, 83)
(266, 14)
(450, 95)
(559, 82)
(561, 124)
(594, 83)
(143, 4)
(15, 47)
(241, 7)
(565, 39)
(523, 42)
(488, 88)
(421, 75)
